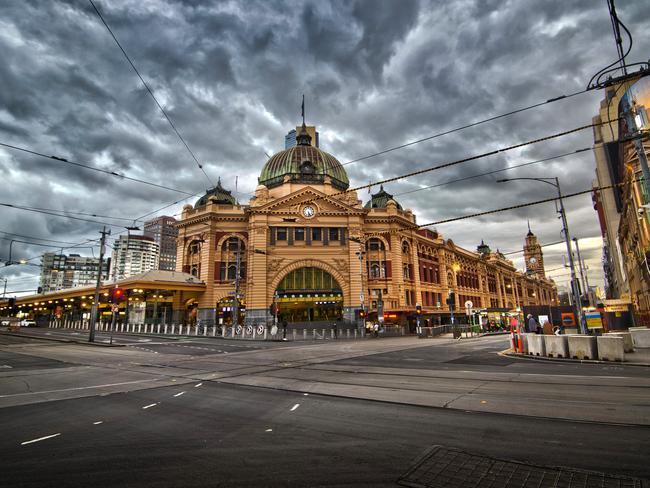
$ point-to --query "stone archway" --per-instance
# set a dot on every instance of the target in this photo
(310, 263)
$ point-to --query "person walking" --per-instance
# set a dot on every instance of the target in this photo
(533, 326)
(284, 329)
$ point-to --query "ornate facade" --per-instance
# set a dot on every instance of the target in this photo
(307, 244)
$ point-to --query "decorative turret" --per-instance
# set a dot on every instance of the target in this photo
(381, 199)
(218, 194)
(483, 249)
(533, 255)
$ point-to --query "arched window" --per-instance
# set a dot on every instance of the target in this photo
(376, 258)
(228, 264)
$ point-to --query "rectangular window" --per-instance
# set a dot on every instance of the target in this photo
(300, 233)
(334, 234)
(316, 234)
(281, 233)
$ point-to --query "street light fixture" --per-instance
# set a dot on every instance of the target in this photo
(555, 182)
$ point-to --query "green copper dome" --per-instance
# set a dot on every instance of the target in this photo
(303, 163)
(220, 194)
(380, 199)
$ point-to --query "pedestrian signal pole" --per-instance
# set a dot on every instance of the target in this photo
(95, 308)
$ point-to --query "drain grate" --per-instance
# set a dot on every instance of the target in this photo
(443, 467)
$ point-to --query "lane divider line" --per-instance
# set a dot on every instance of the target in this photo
(197, 385)
(39, 439)
(294, 407)
(149, 406)
(179, 394)
(268, 430)
(98, 422)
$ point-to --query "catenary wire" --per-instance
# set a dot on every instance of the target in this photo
(467, 126)
(92, 168)
(151, 93)
(494, 171)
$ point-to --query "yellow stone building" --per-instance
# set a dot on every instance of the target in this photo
(306, 244)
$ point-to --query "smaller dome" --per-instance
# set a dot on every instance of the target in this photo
(483, 248)
(218, 194)
(381, 199)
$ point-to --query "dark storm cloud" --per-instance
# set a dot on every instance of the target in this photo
(231, 74)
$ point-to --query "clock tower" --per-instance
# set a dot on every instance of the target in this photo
(533, 255)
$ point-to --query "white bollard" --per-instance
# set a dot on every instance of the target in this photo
(293, 334)
(265, 333)
(314, 333)
(214, 331)
(304, 334)
(323, 333)
(347, 333)
(158, 330)
(165, 329)
(355, 333)
(332, 333)
(173, 328)
(205, 331)
(223, 331)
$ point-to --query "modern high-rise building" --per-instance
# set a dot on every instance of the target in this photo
(133, 255)
(290, 138)
(60, 271)
(163, 230)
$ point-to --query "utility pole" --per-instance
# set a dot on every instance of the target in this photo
(95, 308)
(4, 292)
(583, 274)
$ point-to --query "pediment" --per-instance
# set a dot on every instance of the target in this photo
(293, 202)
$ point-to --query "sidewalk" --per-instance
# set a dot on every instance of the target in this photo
(640, 357)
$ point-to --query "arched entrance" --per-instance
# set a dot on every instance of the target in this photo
(309, 294)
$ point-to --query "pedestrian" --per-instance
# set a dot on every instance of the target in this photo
(284, 329)
(376, 329)
(533, 326)
(335, 328)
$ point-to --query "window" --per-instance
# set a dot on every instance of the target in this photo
(231, 244)
(299, 233)
(334, 234)
(407, 295)
(375, 245)
(377, 269)
(317, 234)
(407, 272)
(281, 233)
(195, 248)
(194, 270)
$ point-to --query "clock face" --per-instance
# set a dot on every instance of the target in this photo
(308, 211)
(533, 260)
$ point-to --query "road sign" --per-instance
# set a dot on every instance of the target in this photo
(469, 304)
(249, 329)
(260, 329)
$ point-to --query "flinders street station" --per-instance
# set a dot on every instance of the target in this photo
(308, 250)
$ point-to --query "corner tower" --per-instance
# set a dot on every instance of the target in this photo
(533, 255)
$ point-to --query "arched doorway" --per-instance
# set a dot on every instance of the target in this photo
(309, 294)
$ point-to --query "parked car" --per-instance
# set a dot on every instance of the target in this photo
(28, 323)
(4, 323)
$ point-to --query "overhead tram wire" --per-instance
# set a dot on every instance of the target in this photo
(33, 237)
(29, 209)
(92, 168)
(521, 205)
(464, 160)
(151, 93)
(577, 151)
(467, 126)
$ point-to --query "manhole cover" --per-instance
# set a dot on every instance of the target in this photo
(443, 467)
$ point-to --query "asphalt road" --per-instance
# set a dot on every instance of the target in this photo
(208, 412)
(220, 435)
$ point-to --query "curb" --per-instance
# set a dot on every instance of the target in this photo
(507, 353)
(66, 341)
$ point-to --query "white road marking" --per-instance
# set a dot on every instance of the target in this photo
(197, 385)
(39, 439)
(149, 406)
(268, 430)
(294, 407)
(6, 366)
(98, 422)
(179, 394)
(305, 394)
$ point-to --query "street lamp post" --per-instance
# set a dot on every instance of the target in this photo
(555, 182)
(360, 253)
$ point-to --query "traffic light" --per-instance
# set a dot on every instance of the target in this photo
(451, 300)
(117, 294)
(12, 302)
(361, 312)
(418, 309)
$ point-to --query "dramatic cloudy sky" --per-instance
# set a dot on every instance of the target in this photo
(375, 74)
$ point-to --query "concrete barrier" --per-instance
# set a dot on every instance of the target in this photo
(536, 345)
(628, 344)
(611, 348)
(640, 336)
(556, 346)
(582, 346)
